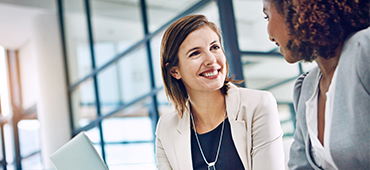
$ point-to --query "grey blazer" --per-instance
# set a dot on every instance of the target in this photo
(350, 130)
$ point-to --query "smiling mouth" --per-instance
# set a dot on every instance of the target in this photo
(210, 74)
(277, 44)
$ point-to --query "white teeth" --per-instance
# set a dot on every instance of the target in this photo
(209, 74)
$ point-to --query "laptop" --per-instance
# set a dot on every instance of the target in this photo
(78, 154)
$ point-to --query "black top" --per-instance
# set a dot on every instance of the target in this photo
(228, 157)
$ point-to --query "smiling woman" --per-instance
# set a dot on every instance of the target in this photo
(202, 63)
(216, 124)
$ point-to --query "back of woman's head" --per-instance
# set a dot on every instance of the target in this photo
(319, 27)
(171, 42)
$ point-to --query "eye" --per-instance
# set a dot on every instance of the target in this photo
(266, 17)
(194, 53)
(215, 47)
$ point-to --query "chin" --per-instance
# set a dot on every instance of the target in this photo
(216, 87)
(290, 61)
(289, 58)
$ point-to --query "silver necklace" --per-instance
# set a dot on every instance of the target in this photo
(211, 165)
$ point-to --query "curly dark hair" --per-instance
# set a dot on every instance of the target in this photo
(319, 27)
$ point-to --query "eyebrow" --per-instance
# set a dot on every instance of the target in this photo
(195, 48)
(264, 10)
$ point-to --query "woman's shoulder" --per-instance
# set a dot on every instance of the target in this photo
(361, 36)
(248, 91)
(356, 52)
(168, 121)
(305, 84)
(168, 118)
(308, 78)
(251, 96)
(358, 42)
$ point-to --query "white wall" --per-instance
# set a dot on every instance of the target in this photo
(27, 69)
(52, 106)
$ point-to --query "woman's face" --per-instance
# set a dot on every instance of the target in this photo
(277, 30)
(202, 63)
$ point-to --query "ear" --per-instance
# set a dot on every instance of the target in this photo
(174, 71)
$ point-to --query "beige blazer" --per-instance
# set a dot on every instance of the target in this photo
(255, 129)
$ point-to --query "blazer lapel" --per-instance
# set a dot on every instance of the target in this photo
(238, 127)
(309, 88)
(239, 134)
(182, 144)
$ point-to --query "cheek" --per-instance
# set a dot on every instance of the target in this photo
(269, 28)
(224, 67)
(190, 68)
(284, 35)
(224, 62)
(222, 59)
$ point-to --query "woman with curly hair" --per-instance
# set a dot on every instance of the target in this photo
(332, 101)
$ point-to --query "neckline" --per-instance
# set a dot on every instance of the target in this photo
(211, 131)
(211, 165)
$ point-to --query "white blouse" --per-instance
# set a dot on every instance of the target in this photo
(322, 155)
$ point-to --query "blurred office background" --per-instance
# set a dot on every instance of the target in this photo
(68, 66)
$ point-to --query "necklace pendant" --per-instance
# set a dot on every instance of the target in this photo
(211, 166)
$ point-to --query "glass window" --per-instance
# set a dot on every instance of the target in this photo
(271, 73)
(9, 143)
(29, 141)
(128, 136)
(274, 74)
(2, 154)
(138, 156)
(83, 104)
(77, 42)
(134, 76)
(109, 89)
(128, 129)
(286, 115)
(251, 26)
(210, 10)
(284, 91)
(155, 44)
(263, 72)
(116, 26)
(29, 137)
(163, 104)
(162, 11)
(33, 161)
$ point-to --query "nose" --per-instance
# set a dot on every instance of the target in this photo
(272, 39)
(210, 58)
